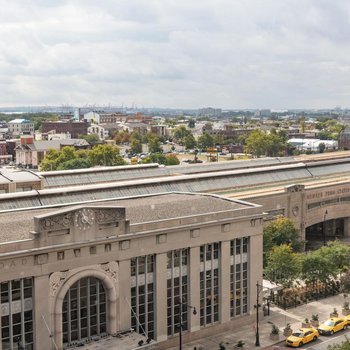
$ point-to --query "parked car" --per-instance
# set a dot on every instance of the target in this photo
(302, 336)
(332, 325)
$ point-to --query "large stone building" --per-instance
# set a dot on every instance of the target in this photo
(80, 274)
(138, 248)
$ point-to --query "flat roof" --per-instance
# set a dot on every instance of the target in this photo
(18, 176)
(17, 225)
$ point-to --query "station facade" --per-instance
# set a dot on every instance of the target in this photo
(74, 275)
(321, 213)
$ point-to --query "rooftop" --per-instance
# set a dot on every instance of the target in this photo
(17, 225)
(17, 175)
(19, 121)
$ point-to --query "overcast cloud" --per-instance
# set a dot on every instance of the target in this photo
(176, 53)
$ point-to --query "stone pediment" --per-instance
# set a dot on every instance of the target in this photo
(294, 188)
(80, 224)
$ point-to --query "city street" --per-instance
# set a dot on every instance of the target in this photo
(323, 341)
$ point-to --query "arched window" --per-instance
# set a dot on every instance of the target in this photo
(84, 310)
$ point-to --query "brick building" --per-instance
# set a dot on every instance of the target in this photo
(75, 128)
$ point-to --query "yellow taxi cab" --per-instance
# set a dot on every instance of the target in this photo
(333, 325)
(302, 336)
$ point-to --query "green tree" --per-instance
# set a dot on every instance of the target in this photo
(316, 267)
(256, 143)
(189, 142)
(338, 254)
(180, 133)
(283, 265)
(136, 146)
(172, 159)
(259, 143)
(191, 123)
(106, 155)
(135, 136)
(278, 232)
(49, 162)
(344, 345)
(154, 145)
(276, 145)
(302, 124)
(77, 163)
(321, 147)
(205, 141)
(345, 282)
(169, 159)
(121, 137)
(92, 139)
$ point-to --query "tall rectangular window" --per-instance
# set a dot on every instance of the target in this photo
(142, 295)
(239, 276)
(17, 314)
(209, 283)
(177, 290)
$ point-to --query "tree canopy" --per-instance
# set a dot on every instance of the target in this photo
(107, 155)
(180, 133)
(316, 267)
(154, 145)
(283, 265)
(260, 143)
(92, 139)
(169, 159)
(278, 232)
(344, 345)
(205, 141)
(136, 146)
(70, 158)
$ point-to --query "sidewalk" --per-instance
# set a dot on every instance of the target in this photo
(278, 316)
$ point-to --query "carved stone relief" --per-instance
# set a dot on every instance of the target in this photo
(57, 279)
(83, 217)
(57, 222)
(112, 269)
(294, 188)
(106, 215)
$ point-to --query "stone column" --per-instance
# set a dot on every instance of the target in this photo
(225, 282)
(161, 297)
(0, 328)
(41, 312)
(255, 269)
(124, 321)
(194, 299)
(346, 227)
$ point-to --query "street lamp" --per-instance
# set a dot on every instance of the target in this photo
(181, 325)
(324, 227)
(259, 288)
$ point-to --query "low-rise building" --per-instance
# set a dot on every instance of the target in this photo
(30, 153)
(98, 130)
(344, 139)
(20, 127)
(73, 127)
(104, 118)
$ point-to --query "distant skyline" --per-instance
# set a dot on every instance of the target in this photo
(230, 54)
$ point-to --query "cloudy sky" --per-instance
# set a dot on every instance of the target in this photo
(176, 53)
